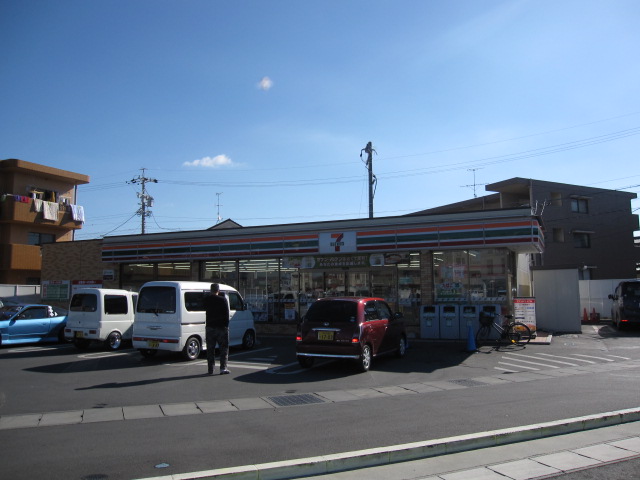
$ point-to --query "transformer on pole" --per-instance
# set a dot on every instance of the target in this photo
(146, 200)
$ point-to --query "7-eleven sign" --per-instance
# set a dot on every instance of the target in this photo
(337, 242)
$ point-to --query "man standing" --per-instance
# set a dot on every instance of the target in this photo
(217, 327)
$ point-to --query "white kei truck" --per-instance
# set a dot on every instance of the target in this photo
(100, 315)
(170, 316)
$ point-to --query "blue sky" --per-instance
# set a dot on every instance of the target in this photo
(269, 103)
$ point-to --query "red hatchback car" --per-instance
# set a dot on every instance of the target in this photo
(357, 328)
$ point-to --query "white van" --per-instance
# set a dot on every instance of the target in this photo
(102, 315)
(170, 316)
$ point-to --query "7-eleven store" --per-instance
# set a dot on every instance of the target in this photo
(414, 261)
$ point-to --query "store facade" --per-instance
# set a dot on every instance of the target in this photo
(410, 261)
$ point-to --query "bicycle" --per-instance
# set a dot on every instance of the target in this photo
(513, 333)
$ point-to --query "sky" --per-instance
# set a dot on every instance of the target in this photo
(259, 111)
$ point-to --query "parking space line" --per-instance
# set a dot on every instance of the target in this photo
(566, 358)
(519, 366)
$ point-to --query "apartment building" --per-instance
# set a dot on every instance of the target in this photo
(590, 229)
(38, 205)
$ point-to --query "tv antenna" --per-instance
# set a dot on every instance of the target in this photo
(218, 205)
(474, 181)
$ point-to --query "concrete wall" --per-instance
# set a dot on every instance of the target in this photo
(594, 296)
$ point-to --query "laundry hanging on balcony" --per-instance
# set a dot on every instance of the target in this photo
(50, 211)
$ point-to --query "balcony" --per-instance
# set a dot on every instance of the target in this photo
(13, 211)
(20, 257)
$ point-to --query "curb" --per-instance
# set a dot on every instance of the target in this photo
(375, 457)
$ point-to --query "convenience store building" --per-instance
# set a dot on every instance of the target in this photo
(415, 262)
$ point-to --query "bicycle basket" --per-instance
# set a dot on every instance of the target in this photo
(486, 319)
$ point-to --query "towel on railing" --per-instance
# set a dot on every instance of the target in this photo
(77, 213)
(37, 204)
(50, 211)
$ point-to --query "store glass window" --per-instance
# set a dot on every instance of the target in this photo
(451, 272)
(409, 294)
(258, 282)
(174, 271)
(471, 275)
(223, 271)
(383, 284)
(134, 275)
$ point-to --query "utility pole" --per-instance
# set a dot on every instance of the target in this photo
(146, 200)
(218, 205)
(372, 178)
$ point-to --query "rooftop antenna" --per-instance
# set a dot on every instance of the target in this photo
(474, 181)
(146, 200)
(372, 178)
(218, 205)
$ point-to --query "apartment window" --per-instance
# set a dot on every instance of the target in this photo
(556, 199)
(558, 234)
(580, 205)
(35, 238)
(582, 239)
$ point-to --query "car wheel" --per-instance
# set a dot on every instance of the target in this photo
(249, 340)
(148, 352)
(305, 362)
(192, 348)
(114, 341)
(61, 337)
(81, 343)
(364, 363)
(402, 347)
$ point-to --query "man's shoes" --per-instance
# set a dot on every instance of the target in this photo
(224, 372)
(210, 371)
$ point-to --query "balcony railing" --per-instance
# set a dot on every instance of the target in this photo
(16, 211)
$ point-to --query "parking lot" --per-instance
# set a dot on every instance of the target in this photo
(59, 377)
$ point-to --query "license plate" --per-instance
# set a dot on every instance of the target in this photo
(325, 335)
(79, 334)
(153, 343)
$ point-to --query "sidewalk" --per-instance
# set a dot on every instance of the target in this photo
(520, 453)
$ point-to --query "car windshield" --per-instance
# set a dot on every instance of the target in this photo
(8, 312)
(333, 311)
(632, 291)
(157, 300)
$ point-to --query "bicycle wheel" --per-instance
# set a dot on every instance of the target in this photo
(482, 336)
(518, 334)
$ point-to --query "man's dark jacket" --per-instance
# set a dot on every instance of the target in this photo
(217, 311)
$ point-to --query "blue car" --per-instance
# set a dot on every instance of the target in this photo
(31, 324)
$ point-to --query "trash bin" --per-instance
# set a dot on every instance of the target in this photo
(429, 321)
(449, 321)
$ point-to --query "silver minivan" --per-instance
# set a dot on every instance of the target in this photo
(171, 316)
(100, 315)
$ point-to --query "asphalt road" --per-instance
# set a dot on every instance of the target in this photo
(438, 390)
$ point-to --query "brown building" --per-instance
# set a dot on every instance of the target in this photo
(38, 205)
(590, 229)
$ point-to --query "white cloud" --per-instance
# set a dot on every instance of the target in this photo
(265, 83)
(210, 162)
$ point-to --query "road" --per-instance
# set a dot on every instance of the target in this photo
(439, 390)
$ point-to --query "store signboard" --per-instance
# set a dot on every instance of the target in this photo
(55, 290)
(524, 309)
(78, 284)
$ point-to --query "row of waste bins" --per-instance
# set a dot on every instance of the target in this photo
(452, 321)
